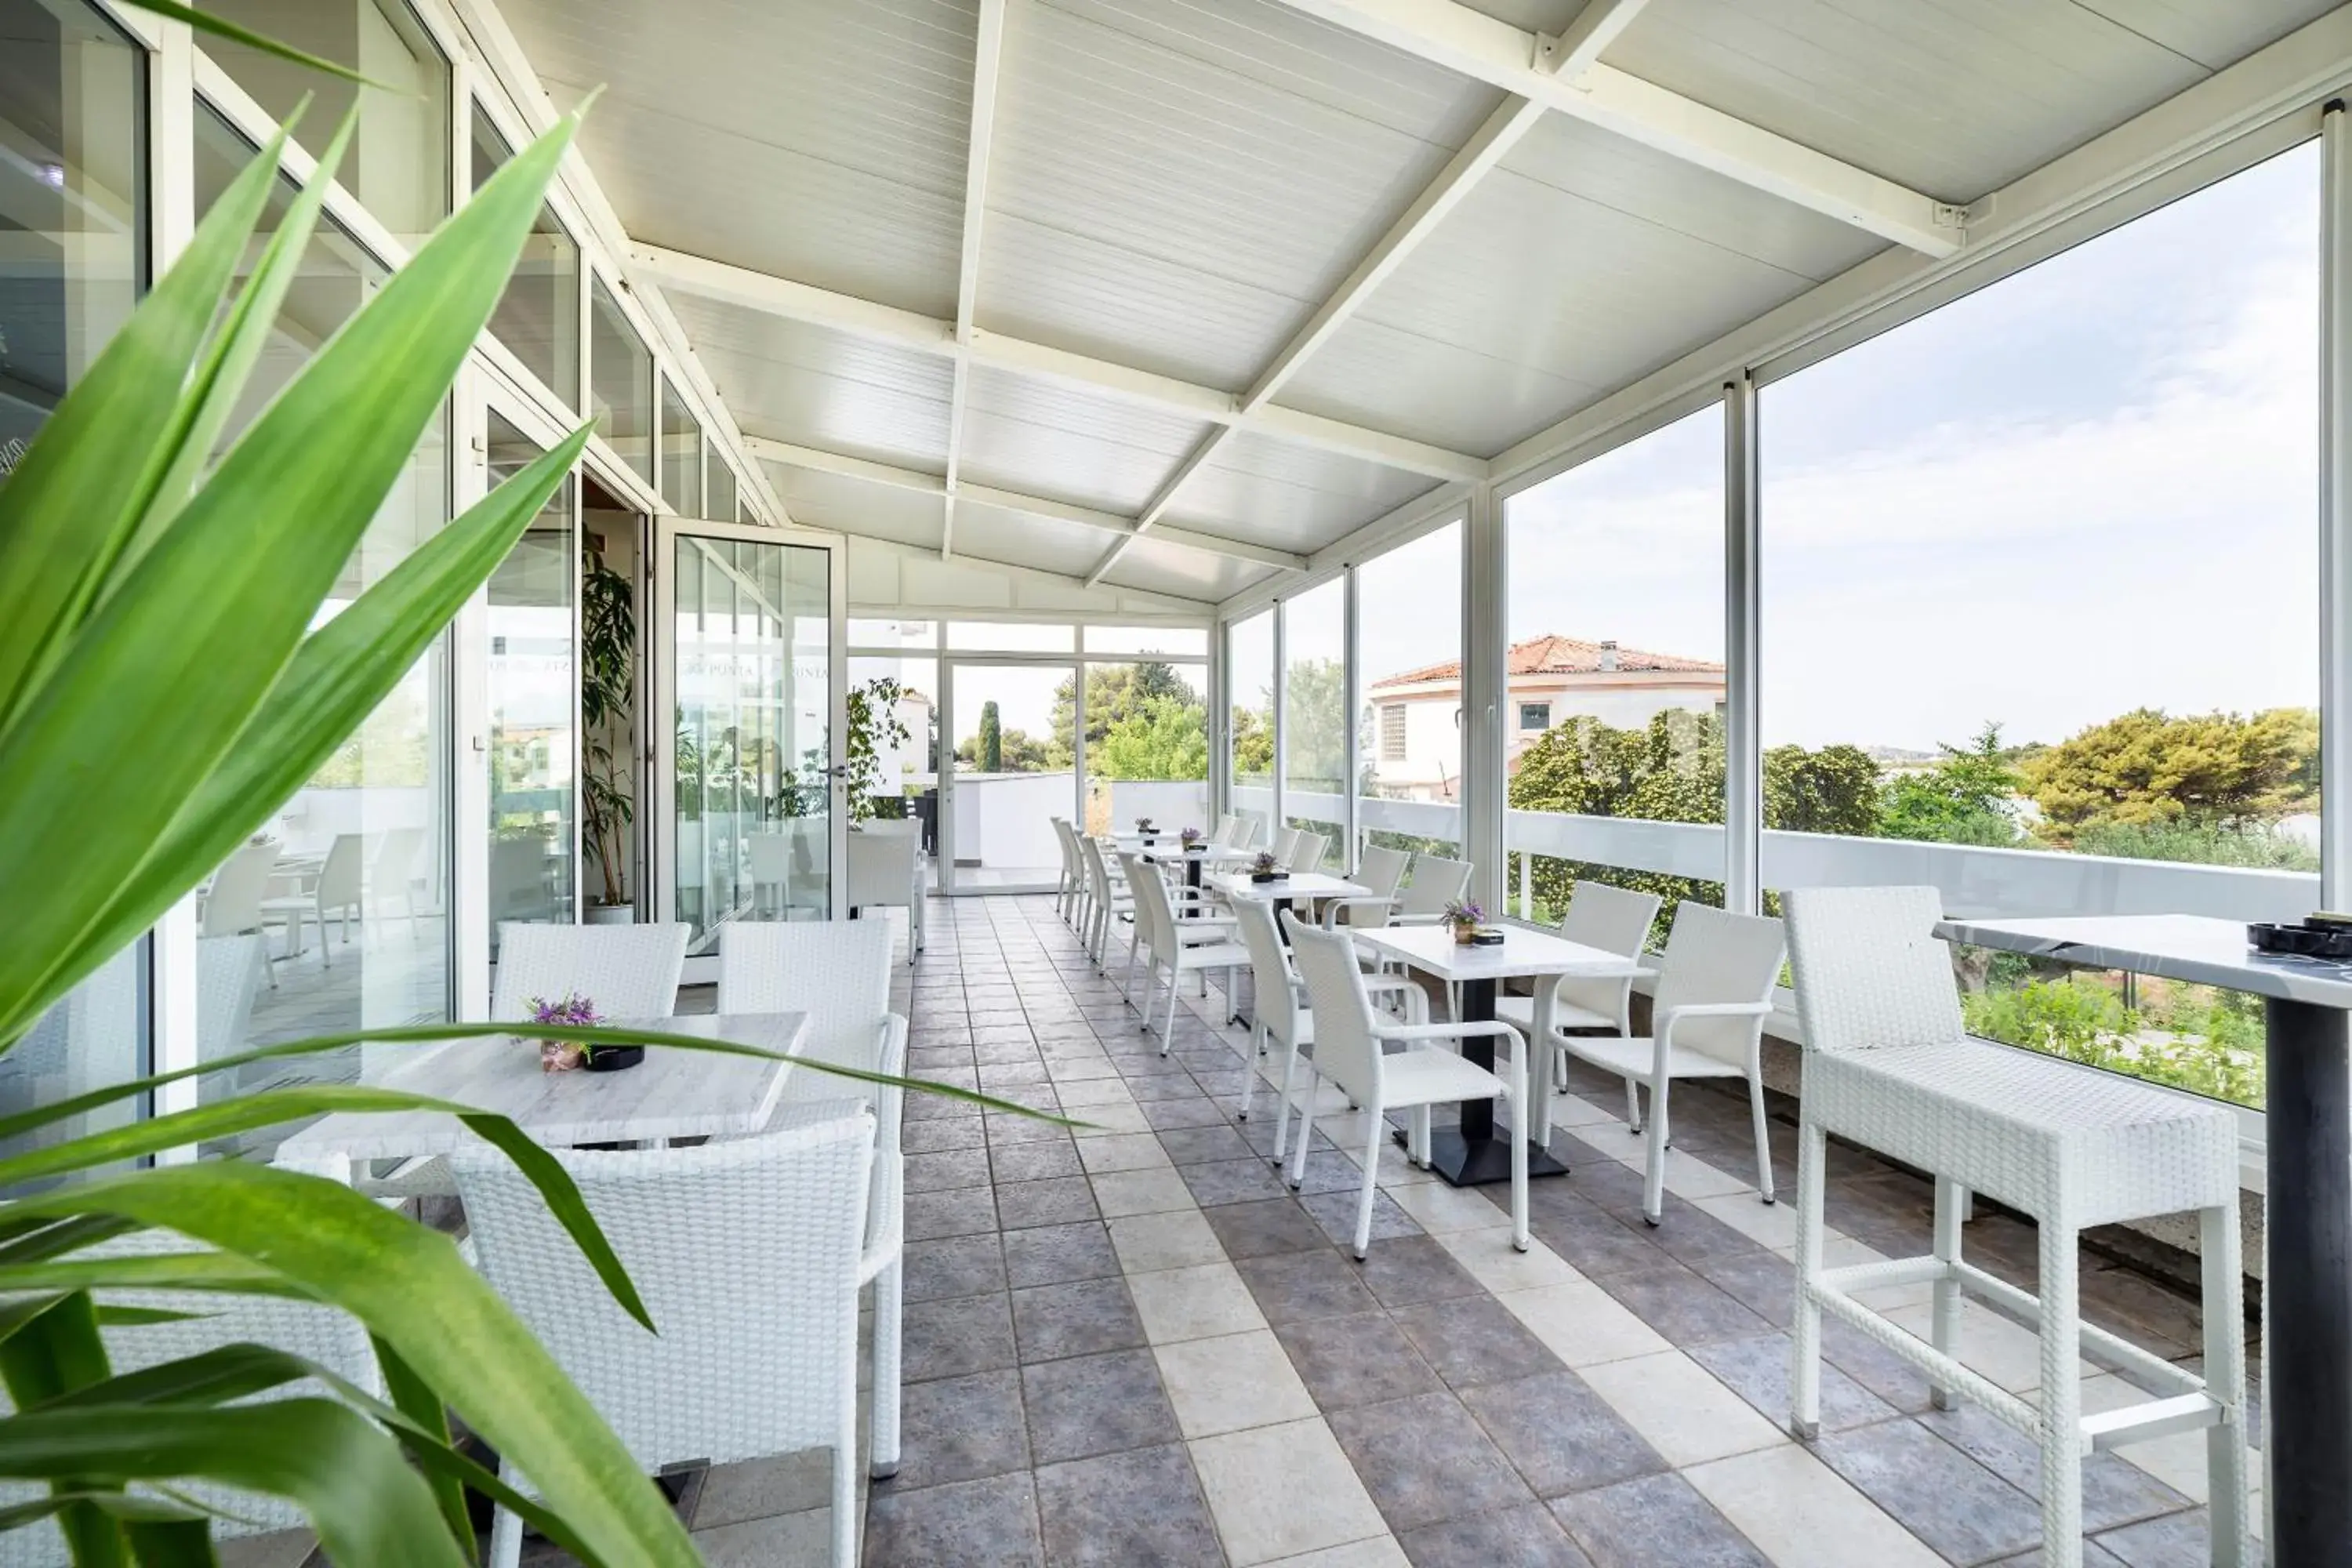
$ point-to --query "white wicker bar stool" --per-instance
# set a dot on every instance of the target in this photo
(1889, 1065)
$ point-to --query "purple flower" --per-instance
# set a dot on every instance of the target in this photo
(572, 1011)
(1464, 911)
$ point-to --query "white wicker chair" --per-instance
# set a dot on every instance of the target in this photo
(1193, 945)
(1614, 920)
(1382, 870)
(629, 972)
(326, 1335)
(1107, 903)
(1349, 1039)
(1889, 1065)
(1307, 855)
(1228, 825)
(1070, 890)
(1278, 1012)
(1286, 845)
(838, 972)
(1707, 1020)
(748, 1255)
(884, 867)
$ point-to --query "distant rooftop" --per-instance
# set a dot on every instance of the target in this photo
(1555, 655)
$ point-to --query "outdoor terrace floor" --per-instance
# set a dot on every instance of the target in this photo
(1134, 1345)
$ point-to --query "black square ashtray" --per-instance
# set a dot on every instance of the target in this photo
(1486, 939)
(2321, 936)
(1269, 875)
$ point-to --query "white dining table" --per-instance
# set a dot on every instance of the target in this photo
(1472, 1156)
(674, 1093)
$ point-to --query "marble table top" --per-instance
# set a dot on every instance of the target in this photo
(2197, 948)
(673, 1093)
(1168, 850)
(1521, 954)
(1297, 885)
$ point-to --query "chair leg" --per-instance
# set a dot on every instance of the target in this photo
(1805, 1326)
(889, 1314)
(1654, 1179)
(1168, 1034)
(1249, 1069)
(1372, 1175)
(1632, 1105)
(505, 1531)
(2231, 1531)
(1763, 1143)
(1419, 1150)
(1306, 1131)
(844, 1492)
(2062, 1399)
(1519, 1239)
(1944, 1330)
(1281, 1101)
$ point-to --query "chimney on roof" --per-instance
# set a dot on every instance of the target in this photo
(1608, 657)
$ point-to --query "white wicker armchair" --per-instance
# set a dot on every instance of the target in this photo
(1889, 1065)
(629, 972)
(326, 1335)
(747, 1254)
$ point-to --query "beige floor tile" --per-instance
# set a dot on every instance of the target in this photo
(758, 1542)
(1154, 1191)
(1175, 1238)
(1379, 1551)
(1999, 1348)
(1441, 1207)
(1766, 1224)
(1695, 1179)
(1278, 1491)
(1499, 1266)
(1805, 1515)
(1102, 1123)
(1086, 1096)
(1583, 1324)
(1231, 1383)
(1684, 1411)
(1574, 1111)
(1193, 1303)
(1121, 1151)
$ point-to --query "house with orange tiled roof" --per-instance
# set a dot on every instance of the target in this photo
(1413, 734)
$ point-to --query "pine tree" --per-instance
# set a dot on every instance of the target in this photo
(991, 740)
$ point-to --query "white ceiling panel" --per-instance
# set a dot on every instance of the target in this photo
(1266, 492)
(1046, 438)
(1157, 566)
(815, 387)
(2213, 33)
(1955, 98)
(822, 142)
(857, 506)
(1177, 185)
(1377, 376)
(1018, 539)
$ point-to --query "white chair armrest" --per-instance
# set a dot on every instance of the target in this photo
(1661, 1028)
(1333, 909)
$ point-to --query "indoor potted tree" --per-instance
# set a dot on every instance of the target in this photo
(608, 640)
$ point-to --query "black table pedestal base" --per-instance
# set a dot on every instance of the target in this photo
(2309, 1291)
(1471, 1155)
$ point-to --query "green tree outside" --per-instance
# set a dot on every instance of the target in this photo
(992, 740)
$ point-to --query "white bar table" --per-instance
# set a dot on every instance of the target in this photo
(673, 1093)
(1473, 1155)
(2307, 1350)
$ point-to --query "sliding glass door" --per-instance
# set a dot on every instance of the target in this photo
(748, 815)
(1013, 770)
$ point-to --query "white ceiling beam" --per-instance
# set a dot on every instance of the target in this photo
(1577, 48)
(816, 459)
(794, 300)
(1496, 136)
(987, 57)
(1455, 36)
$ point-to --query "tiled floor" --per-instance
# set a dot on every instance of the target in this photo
(1133, 1345)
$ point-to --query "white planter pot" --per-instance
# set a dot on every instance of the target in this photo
(611, 914)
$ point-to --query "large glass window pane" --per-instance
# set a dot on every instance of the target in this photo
(73, 216)
(1249, 701)
(722, 501)
(1409, 732)
(1315, 715)
(2040, 575)
(532, 704)
(620, 381)
(398, 164)
(894, 744)
(335, 916)
(1612, 728)
(73, 207)
(538, 317)
(681, 456)
(1146, 746)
